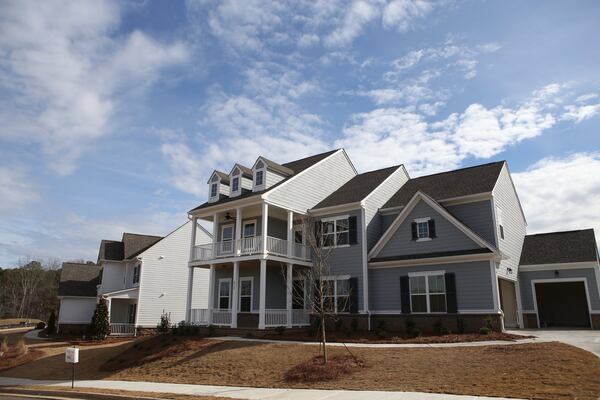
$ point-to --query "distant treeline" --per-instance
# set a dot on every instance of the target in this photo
(29, 290)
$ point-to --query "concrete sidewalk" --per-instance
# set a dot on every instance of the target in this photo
(240, 392)
(390, 345)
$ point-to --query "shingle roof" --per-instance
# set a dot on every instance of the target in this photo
(357, 188)
(246, 172)
(78, 279)
(431, 255)
(559, 247)
(282, 169)
(222, 175)
(296, 166)
(130, 246)
(445, 185)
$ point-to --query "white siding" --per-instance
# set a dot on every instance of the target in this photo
(113, 276)
(224, 189)
(272, 178)
(505, 198)
(308, 188)
(246, 183)
(76, 310)
(377, 199)
(164, 279)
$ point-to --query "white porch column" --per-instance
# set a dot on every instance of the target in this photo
(234, 293)
(211, 292)
(193, 237)
(238, 230)
(263, 294)
(190, 288)
(290, 233)
(215, 234)
(265, 224)
(289, 292)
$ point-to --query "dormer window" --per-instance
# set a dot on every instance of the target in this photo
(218, 185)
(259, 178)
(235, 184)
(214, 188)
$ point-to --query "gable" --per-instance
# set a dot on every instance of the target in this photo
(449, 237)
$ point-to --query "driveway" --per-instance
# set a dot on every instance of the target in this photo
(585, 339)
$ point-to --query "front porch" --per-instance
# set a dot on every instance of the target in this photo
(122, 311)
(253, 294)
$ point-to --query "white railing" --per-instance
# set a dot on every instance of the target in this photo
(199, 316)
(118, 329)
(277, 246)
(203, 252)
(221, 317)
(249, 245)
(300, 317)
(275, 317)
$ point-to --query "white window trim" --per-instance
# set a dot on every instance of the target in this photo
(421, 221)
(225, 226)
(264, 178)
(139, 268)
(335, 279)
(500, 223)
(210, 186)
(249, 222)
(238, 177)
(242, 279)
(334, 219)
(219, 294)
(427, 274)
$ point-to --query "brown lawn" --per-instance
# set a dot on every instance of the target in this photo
(86, 392)
(540, 371)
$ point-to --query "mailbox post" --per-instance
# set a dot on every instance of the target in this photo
(72, 357)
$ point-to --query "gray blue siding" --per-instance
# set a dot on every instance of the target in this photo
(473, 285)
(448, 238)
(276, 227)
(525, 278)
(477, 216)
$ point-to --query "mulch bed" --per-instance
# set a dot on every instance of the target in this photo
(92, 342)
(314, 370)
(399, 338)
(11, 360)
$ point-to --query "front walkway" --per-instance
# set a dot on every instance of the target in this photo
(240, 392)
(584, 339)
(394, 345)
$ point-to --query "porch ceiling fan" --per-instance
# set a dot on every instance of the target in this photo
(229, 217)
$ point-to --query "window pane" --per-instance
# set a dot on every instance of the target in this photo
(213, 190)
(328, 240)
(343, 238)
(249, 230)
(423, 230)
(235, 184)
(224, 288)
(343, 287)
(342, 225)
(224, 302)
(227, 233)
(298, 295)
(298, 236)
(328, 289)
(437, 302)
(343, 304)
(417, 284)
(328, 227)
(245, 304)
(329, 304)
(437, 284)
(419, 303)
(246, 288)
(259, 177)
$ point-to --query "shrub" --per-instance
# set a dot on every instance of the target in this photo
(185, 329)
(100, 325)
(488, 321)
(354, 324)
(460, 325)
(484, 330)
(411, 328)
(347, 331)
(280, 330)
(165, 323)
(211, 330)
(339, 324)
(315, 326)
(51, 328)
(381, 330)
(40, 325)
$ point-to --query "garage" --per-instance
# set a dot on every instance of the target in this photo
(562, 304)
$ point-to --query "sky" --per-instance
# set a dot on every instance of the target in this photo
(113, 114)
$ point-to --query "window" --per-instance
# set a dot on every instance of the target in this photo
(423, 229)
(131, 310)
(226, 239)
(213, 189)
(235, 184)
(298, 236)
(428, 293)
(500, 223)
(336, 295)
(258, 181)
(298, 293)
(249, 229)
(224, 293)
(136, 273)
(246, 294)
(335, 232)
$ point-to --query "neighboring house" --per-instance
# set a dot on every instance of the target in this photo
(559, 275)
(442, 248)
(141, 277)
(77, 295)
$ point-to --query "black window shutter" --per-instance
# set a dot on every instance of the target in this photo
(451, 306)
(431, 223)
(352, 230)
(353, 295)
(405, 294)
(413, 228)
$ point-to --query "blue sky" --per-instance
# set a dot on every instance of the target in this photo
(114, 114)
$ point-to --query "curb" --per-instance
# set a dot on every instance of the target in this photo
(61, 394)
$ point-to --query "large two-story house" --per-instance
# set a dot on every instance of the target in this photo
(443, 248)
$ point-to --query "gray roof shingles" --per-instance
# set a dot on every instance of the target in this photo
(357, 188)
(78, 279)
(559, 247)
(130, 246)
(446, 185)
(296, 166)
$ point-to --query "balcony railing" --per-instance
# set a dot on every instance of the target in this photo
(118, 329)
(221, 317)
(273, 317)
(199, 316)
(251, 245)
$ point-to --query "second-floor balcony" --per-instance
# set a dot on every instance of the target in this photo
(252, 245)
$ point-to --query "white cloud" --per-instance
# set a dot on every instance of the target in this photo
(16, 190)
(561, 193)
(66, 73)
(308, 40)
(400, 14)
(359, 14)
(580, 113)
